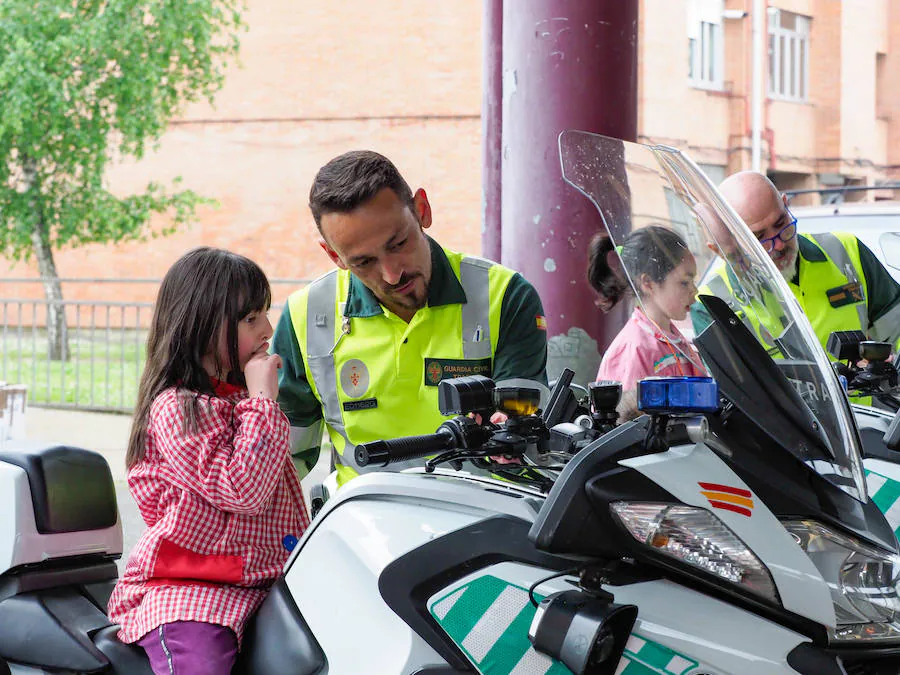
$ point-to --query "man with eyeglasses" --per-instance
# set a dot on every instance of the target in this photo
(837, 280)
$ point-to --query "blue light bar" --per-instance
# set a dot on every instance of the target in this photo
(678, 395)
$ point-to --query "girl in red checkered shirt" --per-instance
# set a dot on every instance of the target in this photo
(209, 467)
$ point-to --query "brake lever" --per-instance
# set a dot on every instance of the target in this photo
(509, 445)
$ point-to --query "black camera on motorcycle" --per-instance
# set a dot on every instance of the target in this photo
(586, 632)
(463, 395)
(479, 394)
(876, 378)
(853, 345)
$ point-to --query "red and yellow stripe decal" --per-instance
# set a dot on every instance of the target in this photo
(728, 498)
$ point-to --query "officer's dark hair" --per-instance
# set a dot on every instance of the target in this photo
(350, 180)
(653, 250)
(206, 292)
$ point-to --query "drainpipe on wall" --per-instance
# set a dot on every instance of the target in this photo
(757, 93)
(491, 128)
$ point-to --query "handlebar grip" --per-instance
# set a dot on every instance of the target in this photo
(382, 453)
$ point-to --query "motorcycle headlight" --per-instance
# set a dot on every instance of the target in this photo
(698, 538)
(862, 580)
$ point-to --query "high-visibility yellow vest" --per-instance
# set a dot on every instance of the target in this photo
(833, 296)
(376, 376)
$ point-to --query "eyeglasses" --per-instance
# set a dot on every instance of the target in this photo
(786, 233)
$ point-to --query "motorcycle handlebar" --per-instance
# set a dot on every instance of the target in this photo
(382, 453)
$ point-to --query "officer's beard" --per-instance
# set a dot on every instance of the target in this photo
(789, 271)
(413, 301)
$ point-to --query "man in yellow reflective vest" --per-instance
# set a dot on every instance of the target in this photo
(365, 346)
(837, 280)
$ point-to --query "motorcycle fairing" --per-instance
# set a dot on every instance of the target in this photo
(683, 470)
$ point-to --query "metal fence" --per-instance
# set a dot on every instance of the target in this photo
(105, 347)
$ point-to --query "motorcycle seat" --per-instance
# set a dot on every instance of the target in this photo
(277, 641)
(124, 658)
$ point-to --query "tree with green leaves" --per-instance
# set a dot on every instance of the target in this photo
(84, 83)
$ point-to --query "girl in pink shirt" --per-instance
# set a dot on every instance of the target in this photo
(662, 270)
(209, 468)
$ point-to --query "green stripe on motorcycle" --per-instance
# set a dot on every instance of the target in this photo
(649, 657)
(886, 497)
(489, 619)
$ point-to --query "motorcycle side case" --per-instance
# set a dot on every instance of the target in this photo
(57, 502)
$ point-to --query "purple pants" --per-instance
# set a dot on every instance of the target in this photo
(190, 648)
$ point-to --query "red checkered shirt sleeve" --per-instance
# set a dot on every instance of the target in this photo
(233, 461)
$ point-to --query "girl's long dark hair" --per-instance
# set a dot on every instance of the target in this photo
(653, 250)
(206, 289)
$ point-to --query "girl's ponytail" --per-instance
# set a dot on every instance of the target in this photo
(604, 273)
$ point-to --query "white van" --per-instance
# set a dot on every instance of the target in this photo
(877, 224)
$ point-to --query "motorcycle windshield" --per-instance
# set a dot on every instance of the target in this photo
(755, 340)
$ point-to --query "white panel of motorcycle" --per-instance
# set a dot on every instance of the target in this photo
(372, 521)
(678, 631)
(681, 471)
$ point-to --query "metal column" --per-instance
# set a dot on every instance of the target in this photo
(565, 64)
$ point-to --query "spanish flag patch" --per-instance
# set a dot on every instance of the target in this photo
(541, 323)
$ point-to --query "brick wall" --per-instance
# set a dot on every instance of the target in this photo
(825, 78)
(403, 78)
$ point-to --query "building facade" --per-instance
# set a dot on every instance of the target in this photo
(313, 80)
(830, 114)
(404, 78)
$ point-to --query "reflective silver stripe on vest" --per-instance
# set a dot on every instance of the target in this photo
(839, 256)
(320, 344)
(719, 288)
(474, 276)
(887, 328)
(302, 439)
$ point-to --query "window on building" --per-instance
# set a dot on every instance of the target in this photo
(681, 220)
(715, 172)
(706, 53)
(788, 55)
